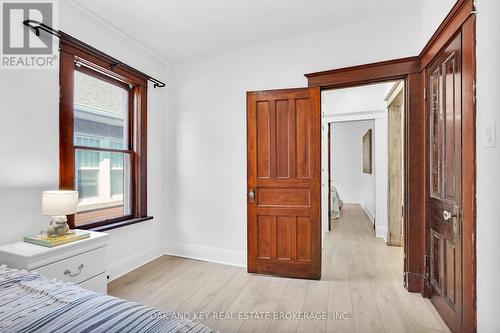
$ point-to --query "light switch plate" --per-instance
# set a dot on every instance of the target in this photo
(489, 136)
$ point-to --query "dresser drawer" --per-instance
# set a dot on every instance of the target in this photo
(98, 283)
(78, 268)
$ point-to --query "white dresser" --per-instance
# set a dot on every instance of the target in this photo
(82, 262)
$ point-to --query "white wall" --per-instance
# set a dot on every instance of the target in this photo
(346, 160)
(353, 185)
(29, 109)
(433, 13)
(29, 136)
(488, 164)
(365, 98)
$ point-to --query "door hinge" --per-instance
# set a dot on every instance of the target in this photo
(427, 267)
(425, 94)
(474, 90)
(457, 219)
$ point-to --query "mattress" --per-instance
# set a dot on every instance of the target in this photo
(31, 303)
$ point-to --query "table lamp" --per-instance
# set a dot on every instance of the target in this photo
(58, 204)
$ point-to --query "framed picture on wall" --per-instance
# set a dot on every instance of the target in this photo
(367, 152)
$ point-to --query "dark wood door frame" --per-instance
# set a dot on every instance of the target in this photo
(416, 244)
(407, 70)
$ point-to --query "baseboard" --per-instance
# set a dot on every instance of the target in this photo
(125, 265)
(372, 218)
(206, 253)
(381, 232)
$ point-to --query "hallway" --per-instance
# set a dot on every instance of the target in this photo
(354, 260)
(362, 281)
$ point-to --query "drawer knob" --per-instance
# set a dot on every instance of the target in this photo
(68, 272)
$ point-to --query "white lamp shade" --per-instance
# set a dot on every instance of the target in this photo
(55, 203)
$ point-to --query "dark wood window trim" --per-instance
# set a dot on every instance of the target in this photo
(74, 56)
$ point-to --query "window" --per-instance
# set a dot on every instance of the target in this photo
(103, 178)
(102, 139)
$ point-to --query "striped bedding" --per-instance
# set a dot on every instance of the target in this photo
(335, 203)
(31, 303)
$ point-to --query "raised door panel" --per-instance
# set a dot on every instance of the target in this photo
(436, 261)
(436, 132)
(264, 236)
(282, 139)
(303, 137)
(304, 238)
(451, 120)
(283, 196)
(450, 271)
(263, 140)
(284, 241)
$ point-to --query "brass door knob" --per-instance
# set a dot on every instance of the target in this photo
(446, 215)
(251, 196)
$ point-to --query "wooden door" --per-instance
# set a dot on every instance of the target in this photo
(444, 203)
(284, 174)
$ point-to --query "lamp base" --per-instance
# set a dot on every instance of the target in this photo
(58, 226)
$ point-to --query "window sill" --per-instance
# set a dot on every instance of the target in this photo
(119, 224)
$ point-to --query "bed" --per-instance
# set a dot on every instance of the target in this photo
(31, 303)
(335, 203)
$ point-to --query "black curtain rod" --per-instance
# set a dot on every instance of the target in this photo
(37, 26)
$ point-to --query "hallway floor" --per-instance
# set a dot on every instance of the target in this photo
(361, 283)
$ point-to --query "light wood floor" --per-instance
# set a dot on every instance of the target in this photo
(362, 277)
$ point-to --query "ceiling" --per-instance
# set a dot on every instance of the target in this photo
(178, 29)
